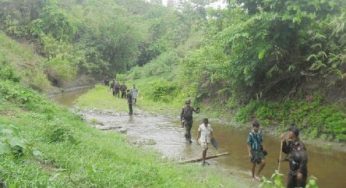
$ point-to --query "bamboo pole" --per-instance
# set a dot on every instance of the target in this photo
(280, 156)
(200, 159)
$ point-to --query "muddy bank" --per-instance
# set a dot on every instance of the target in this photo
(80, 83)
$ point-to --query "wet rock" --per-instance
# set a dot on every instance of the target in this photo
(151, 142)
(122, 130)
(145, 142)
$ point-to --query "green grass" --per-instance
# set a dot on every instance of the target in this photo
(57, 149)
(101, 98)
(28, 65)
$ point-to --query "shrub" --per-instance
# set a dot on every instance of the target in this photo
(7, 73)
(162, 91)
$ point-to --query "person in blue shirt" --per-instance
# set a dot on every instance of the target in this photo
(255, 149)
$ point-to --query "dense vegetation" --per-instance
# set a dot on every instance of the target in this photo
(281, 62)
(96, 37)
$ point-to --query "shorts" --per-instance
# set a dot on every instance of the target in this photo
(204, 145)
(257, 156)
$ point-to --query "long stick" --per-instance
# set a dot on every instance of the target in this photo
(200, 159)
(280, 156)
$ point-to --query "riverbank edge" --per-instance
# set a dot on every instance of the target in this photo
(228, 118)
(219, 115)
(275, 131)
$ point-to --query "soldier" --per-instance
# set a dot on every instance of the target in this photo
(111, 85)
(187, 119)
(123, 89)
(129, 101)
(296, 156)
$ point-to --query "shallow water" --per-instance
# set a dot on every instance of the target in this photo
(167, 137)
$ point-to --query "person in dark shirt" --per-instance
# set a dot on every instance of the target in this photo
(129, 101)
(296, 156)
(187, 119)
(123, 89)
(255, 149)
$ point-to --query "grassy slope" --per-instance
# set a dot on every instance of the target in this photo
(27, 64)
(62, 151)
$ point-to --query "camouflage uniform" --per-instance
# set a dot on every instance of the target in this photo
(186, 117)
(298, 159)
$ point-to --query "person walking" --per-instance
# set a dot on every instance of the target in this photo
(134, 92)
(123, 89)
(204, 136)
(186, 118)
(129, 102)
(255, 149)
(296, 156)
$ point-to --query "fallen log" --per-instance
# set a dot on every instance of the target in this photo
(200, 159)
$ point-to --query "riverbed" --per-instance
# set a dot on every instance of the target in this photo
(165, 135)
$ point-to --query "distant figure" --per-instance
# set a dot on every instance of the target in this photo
(123, 89)
(134, 92)
(111, 86)
(187, 119)
(204, 136)
(116, 89)
(296, 156)
(106, 82)
(129, 101)
(255, 149)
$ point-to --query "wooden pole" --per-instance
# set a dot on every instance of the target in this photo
(280, 156)
(200, 159)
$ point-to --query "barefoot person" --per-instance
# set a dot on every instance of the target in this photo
(296, 156)
(204, 136)
(255, 150)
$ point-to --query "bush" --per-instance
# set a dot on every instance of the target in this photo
(276, 181)
(10, 142)
(162, 91)
(7, 72)
(314, 118)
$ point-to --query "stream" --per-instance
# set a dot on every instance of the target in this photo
(165, 135)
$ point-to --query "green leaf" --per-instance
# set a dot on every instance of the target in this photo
(261, 54)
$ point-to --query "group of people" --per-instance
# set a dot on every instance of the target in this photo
(121, 91)
(291, 145)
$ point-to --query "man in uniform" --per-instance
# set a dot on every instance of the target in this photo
(187, 119)
(123, 89)
(296, 156)
(129, 101)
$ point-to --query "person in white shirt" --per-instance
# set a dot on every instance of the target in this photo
(204, 136)
(134, 92)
